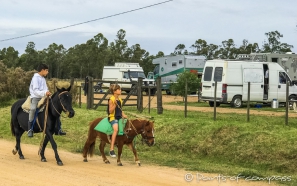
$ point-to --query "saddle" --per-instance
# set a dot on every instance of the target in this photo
(105, 127)
(27, 103)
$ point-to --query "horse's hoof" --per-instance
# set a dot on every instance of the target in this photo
(106, 162)
(14, 151)
(139, 164)
(120, 164)
(60, 163)
(22, 157)
(43, 160)
(85, 160)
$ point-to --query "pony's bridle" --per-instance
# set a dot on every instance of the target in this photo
(145, 138)
(64, 109)
(143, 133)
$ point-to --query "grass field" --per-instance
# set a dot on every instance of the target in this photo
(229, 145)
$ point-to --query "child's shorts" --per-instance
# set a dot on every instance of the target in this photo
(114, 122)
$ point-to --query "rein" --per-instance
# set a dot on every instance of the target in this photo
(44, 124)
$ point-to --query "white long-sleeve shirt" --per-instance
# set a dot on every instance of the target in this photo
(38, 87)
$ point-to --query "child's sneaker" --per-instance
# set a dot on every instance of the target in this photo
(112, 154)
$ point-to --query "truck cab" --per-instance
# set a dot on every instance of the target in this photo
(126, 72)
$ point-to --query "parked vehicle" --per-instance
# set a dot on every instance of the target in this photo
(126, 72)
(168, 67)
(288, 61)
(232, 82)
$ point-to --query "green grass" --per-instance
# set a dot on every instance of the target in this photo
(229, 145)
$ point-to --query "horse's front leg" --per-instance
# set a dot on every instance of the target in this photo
(131, 147)
(101, 148)
(41, 153)
(54, 146)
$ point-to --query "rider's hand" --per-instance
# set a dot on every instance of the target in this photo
(48, 93)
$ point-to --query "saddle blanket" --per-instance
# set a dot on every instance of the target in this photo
(27, 103)
(105, 127)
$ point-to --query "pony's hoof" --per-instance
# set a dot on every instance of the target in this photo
(14, 151)
(120, 164)
(106, 162)
(43, 160)
(22, 157)
(138, 163)
(85, 160)
(60, 163)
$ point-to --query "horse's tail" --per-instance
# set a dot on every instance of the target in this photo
(12, 128)
(14, 112)
(91, 141)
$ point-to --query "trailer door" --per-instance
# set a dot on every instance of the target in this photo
(256, 78)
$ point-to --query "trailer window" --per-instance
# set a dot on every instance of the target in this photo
(253, 75)
(125, 75)
(156, 70)
(218, 74)
(180, 61)
(173, 64)
(207, 74)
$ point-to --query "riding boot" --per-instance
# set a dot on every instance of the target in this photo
(30, 131)
(60, 132)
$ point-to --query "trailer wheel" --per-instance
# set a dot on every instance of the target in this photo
(236, 102)
(291, 104)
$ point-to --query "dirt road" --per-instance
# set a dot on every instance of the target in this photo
(31, 171)
(168, 98)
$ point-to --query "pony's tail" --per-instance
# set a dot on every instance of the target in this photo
(12, 128)
(90, 143)
(91, 149)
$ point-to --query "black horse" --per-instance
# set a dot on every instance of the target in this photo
(59, 101)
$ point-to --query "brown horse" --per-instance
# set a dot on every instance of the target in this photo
(133, 127)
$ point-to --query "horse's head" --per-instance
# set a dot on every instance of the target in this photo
(66, 101)
(147, 132)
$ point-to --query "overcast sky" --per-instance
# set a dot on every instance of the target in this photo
(157, 28)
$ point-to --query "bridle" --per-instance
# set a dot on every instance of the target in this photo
(144, 136)
(143, 133)
(63, 107)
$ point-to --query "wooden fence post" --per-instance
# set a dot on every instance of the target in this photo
(91, 90)
(159, 96)
(79, 96)
(215, 103)
(71, 82)
(90, 95)
(248, 102)
(186, 98)
(287, 102)
(139, 95)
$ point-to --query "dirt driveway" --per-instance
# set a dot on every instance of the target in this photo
(168, 98)
(31, 171)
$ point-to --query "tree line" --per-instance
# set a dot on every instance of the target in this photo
(88, 59)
